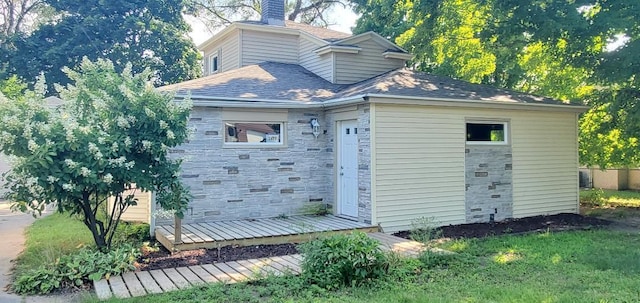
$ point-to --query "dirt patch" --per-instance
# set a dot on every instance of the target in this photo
(164, 259)
(558, 222)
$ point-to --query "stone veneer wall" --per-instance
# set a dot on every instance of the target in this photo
(364, 160)
(239, 183)
(489, 187)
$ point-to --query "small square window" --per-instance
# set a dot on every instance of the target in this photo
(487, 132)
(253, 133)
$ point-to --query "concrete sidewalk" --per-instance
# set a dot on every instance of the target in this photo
(12, 226)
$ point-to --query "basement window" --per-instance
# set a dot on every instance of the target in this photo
(487, 132)
(256, 133)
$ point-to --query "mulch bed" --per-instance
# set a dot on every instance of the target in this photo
(164, 259)
(558, 222)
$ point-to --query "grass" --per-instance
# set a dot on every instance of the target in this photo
(578, 266)
(610, 204)
(55, 235)
(51, 237)
(611, 198)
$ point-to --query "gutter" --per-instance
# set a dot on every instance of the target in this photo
(208, 101)
(412, 100)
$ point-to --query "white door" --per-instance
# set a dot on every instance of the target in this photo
(348, 169)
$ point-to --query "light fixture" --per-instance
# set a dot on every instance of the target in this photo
(315, 127)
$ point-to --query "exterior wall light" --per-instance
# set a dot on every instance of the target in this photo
(315, 127)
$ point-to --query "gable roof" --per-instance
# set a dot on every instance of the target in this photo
(291, 83)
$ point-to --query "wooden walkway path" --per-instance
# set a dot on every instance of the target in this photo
(248, 232)
(135, 284)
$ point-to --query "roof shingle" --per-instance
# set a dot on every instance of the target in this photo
(291, 82)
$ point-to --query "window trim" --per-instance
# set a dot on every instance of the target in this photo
(505, 125)
(281, 144)
(215, 55)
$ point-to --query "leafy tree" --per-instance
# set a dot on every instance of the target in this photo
(552, 48)
(111, 135)
(221, 13)
(149, 34)
(12, 87)
(20, 15)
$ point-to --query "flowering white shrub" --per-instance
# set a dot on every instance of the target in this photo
(112, 133)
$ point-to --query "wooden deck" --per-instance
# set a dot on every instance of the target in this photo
(135, 284)
(254, 232)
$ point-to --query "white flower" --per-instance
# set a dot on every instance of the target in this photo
(127, 141)
(163, 124)
(170, 135)
(70, 163)
(93, 148)
(117, 162)
(146, 144)
(70, 136)
(149, 112)
(130, 164)
(84, 129)
(32, 145)
(122, 122)
(68, 187)
(98, 156)
(114, 147)
(101, 140)
(52, 179)
(85, 172)
(7, 138)
(108, 178)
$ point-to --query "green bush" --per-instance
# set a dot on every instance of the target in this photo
(424, 230)
(594, 197)
(131, 233)
(77, 269)
(342, 260)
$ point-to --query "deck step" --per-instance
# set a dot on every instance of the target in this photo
(135, 284)
(249, 232)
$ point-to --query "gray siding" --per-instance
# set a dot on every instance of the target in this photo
(259, 47)
(319, 65)
(369, 62)
(227, 49)
(238, 183)
(229, 53)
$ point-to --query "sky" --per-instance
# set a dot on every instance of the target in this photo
(343, 18)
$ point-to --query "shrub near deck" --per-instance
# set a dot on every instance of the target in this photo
(579, 266)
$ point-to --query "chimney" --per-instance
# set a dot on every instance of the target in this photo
(273, 12)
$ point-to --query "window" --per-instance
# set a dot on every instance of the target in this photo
(487, 132)
(253, 133)
(213, 63)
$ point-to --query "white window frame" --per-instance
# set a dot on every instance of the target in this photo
(216, 56)
(283, 136)
(505, 125)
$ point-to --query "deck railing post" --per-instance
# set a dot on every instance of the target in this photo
(177, 230)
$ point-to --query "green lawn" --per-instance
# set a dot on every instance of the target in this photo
(611, 198)
(50, 237)
(579, 266)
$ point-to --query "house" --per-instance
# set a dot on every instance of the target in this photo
(290, 116)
